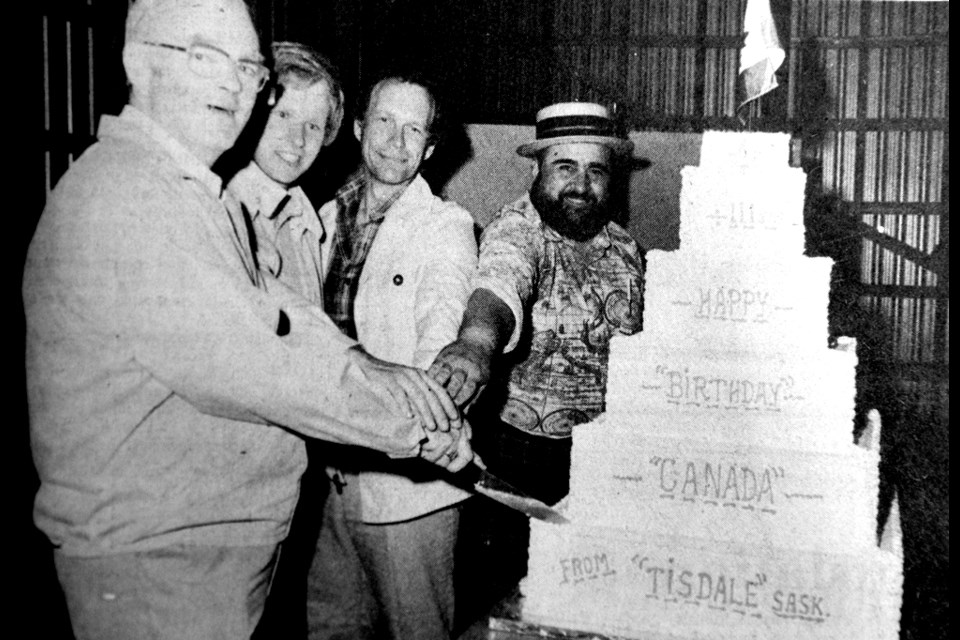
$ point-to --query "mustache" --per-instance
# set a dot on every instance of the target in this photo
(587, 196)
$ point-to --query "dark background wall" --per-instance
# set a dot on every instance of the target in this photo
(864, 90)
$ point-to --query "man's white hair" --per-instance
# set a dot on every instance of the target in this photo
(147, 18)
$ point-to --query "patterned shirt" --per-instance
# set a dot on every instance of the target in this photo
(568, 302)
(356, 230)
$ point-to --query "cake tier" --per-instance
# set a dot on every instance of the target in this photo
(622, 476)
(732, 212)
(750, 303)
(778, 401)
(636, 585)
(746, 150)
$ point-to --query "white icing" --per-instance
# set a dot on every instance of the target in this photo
(723, 149)
(636, 585)
(696, 301)
(721, 495)
(738, 493)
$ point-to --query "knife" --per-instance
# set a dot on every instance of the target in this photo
(481, 481)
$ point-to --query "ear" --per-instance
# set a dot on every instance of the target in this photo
(534, 166)
(429, 152)
(136, 65)
(358, 130)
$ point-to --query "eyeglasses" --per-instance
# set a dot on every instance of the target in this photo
(209, 62)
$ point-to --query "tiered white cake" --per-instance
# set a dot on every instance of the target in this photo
(722, 495)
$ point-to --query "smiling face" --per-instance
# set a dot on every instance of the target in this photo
(572, 187)
(295, 131)
(394, 136)
(206, 114)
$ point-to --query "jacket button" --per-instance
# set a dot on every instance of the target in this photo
(398, 279)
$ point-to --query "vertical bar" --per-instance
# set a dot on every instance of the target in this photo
(48, 178)
(69, 81)
(91, 118)
(941, 337)
(859, 171)
(700, 60)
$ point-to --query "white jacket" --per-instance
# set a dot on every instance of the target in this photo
(410, 300)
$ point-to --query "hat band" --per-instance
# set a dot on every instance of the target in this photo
(574, 126)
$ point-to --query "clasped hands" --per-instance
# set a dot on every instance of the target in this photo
(461, 370)
(436, 397)
(415, 394)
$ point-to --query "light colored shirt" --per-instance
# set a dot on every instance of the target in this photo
(567, 301)
(155, 375)
(287, 230)
(410, 300)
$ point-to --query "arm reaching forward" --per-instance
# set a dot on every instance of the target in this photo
(463, 366)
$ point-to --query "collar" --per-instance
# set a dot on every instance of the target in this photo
(259, 190)
(272, 200)
(600, 242)
(132, 122)
(352, 193)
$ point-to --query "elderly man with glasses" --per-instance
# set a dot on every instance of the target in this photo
(168, 377)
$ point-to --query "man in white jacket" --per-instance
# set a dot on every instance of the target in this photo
(397, 279)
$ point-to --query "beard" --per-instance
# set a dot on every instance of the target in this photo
(578, 221)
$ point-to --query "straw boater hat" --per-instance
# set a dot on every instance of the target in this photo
(575, 122)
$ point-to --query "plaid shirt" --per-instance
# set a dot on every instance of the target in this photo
(356, 229)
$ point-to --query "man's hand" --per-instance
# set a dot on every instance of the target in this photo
(449, 450)
(411, 391)
(463, 368)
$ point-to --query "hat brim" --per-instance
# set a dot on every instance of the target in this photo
(618, 145)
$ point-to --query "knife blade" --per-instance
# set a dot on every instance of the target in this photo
(491, 486)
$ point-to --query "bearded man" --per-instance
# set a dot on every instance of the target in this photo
(556, 279)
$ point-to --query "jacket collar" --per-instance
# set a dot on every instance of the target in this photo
(269, 199)
(133, 124)
(352, 190)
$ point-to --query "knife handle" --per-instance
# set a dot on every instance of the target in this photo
(470, 475)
